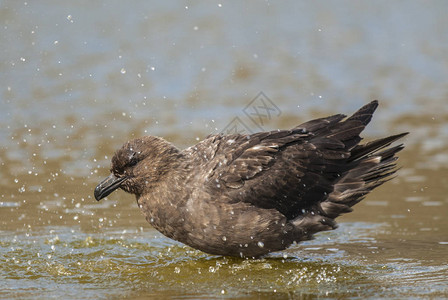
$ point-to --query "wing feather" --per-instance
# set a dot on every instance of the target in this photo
(316, 167)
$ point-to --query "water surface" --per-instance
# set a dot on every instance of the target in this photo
(80, 78)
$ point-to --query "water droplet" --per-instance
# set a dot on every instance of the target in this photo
(123, 71)
(260, 244)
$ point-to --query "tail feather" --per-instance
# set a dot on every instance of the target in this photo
(371, 169)
(369, 165)
(362, 150)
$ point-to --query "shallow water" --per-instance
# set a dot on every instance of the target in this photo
(80, 78)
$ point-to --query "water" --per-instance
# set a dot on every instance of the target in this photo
(80, 78)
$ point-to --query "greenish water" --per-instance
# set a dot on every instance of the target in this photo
(80, 78)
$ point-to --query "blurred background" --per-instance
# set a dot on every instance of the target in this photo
(79, 78)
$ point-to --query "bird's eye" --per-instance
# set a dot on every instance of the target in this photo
(133, 160)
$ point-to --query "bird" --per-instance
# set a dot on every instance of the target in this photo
(250, 195)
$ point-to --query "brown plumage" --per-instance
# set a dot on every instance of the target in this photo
(248, 195)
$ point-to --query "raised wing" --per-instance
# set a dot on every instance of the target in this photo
(289, 171)
(293, 170)
(317, 167)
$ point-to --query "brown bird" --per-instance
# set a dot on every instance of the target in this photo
(249, 195)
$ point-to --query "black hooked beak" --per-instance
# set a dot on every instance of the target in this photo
(107, 186)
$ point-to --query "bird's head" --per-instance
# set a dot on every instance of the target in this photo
(137, 166)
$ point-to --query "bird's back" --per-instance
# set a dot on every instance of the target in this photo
(310, 174)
